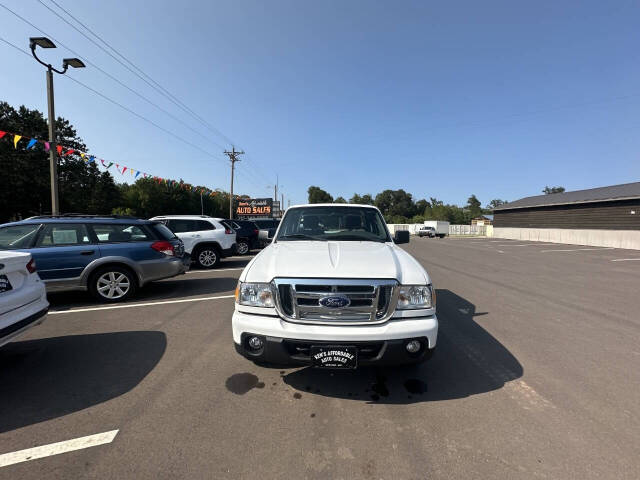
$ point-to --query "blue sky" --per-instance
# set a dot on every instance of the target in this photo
(443, 99)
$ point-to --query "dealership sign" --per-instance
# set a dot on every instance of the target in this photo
(255, 207)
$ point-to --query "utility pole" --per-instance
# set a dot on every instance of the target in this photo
(282, 205)
(275, 190)
(201, 205)
(233, 157)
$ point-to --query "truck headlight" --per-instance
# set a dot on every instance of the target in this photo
(416, 296)
(254, 294)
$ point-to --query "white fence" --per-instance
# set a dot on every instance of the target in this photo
(468, 230)
(479, 230)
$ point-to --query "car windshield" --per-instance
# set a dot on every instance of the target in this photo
(333, 223)
(17, 236)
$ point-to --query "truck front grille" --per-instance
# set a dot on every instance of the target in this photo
(370, 301)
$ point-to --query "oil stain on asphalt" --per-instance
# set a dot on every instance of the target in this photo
(241, 383)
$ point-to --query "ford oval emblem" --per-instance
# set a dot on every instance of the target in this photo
(335, 301)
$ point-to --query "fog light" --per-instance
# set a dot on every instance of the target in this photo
(413, 346)
(255, 343)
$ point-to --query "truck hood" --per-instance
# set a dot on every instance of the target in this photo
(315, 259)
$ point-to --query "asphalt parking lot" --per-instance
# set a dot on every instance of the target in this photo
(536, 376)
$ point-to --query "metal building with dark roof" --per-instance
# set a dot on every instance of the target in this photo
(604, 216)
(616, 207)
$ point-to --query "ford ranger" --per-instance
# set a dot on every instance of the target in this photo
(334, 290)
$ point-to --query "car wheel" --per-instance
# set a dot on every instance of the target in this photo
(112, 284)
(242, 247)
(207, 257)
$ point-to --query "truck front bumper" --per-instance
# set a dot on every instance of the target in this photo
(287, 343)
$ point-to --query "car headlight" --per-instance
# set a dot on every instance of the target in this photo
(416, 296)
(254, 294)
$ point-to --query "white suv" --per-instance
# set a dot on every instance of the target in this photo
(205, 238)
(334, 290)
(23, 301)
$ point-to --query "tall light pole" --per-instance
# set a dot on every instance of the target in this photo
(44, 42)
(233, 156)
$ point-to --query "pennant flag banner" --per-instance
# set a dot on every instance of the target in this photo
(33, 142)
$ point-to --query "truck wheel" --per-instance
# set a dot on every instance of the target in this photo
(242, 247)
(112, 284)
(207, 256)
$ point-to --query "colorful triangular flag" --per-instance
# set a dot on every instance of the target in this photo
(16, 139)
(2, 133)
(46, 146)
(32, 142)
(59, 149)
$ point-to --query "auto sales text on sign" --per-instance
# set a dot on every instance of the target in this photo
(256, 206)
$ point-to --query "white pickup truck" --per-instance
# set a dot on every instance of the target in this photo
(333, 290)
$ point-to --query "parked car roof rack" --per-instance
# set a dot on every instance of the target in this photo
(79, 215)
(198, 216)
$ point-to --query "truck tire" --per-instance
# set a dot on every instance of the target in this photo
(206, 256)
(112, 284)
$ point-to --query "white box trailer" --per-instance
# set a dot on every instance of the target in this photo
(441, 228)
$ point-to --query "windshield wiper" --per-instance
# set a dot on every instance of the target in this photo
(297, 236)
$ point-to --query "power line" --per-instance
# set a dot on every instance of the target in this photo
(151, 82)
(227, 139)
(256, 177)
(151, 122)
(89, 62)
(240, 172)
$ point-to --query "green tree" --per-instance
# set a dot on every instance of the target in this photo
(339, 200)
(365, 199)
(421, 206)
(474, 206)
(495, 203)
(549, 190)
(394, 203)
(148, 198)
(25, 173)
(318, 195)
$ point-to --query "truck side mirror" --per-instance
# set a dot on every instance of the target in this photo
(401, 236)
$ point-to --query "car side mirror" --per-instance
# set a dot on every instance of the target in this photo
(401, 236)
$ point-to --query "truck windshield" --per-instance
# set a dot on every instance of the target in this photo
(333, 223)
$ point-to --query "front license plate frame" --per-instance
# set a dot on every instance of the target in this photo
(343, 357)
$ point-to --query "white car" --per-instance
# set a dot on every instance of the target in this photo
(334, 290)
(23, 301)
(205, 238)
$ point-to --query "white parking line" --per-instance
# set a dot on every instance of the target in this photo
(149, 304)
(625, 259)
(578, 250)
(215, 270)
(57, 448)
(521, 245)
